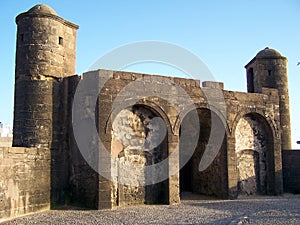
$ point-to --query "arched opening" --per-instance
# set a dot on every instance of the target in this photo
(139, 139)
(254, 155)
(213, 180)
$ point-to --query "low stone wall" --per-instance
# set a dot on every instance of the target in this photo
(24, 181)
(291, 171)
(5, 141)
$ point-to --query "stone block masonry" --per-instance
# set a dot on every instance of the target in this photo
(291, 171)
(47, 167)
(24, 181)
(5, 141)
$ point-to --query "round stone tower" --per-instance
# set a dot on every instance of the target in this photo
(268, 69)
(46, 44)
(45, 53)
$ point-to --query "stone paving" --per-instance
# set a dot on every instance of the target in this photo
(255, 210)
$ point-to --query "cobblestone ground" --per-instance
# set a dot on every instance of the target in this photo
(255, 210)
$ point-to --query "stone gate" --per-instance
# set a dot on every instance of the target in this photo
(136, 130)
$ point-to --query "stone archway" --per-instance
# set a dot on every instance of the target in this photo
(254, 155)
(213, 180)
(139, 139)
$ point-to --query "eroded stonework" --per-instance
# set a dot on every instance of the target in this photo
(149, 130)
(136, 136)
(251, 150)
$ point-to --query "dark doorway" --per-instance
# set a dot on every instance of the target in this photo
(186, 177)
(213, 180)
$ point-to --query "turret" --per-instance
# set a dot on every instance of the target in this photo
(268, 69)
(45, 53)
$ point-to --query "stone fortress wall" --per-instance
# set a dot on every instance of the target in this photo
(45, 168)
(24, 180)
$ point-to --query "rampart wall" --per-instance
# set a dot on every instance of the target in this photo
(24, 181)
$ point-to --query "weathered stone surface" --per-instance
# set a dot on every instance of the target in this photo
(251, 150)
(268, 69)
(136, 136)
(5, 141)
(291, 171)
(138, 118)
(46, 46)
(24, 181)
(212, 84)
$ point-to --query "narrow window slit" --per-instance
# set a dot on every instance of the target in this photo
(269, 72)
(60, 40)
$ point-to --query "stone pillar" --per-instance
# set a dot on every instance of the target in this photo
(278, 167)
(174, 189)
(232, 168)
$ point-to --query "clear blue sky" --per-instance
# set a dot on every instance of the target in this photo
(223, 34)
